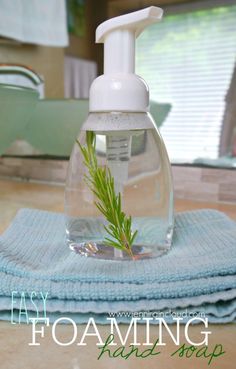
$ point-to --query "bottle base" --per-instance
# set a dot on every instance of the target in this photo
(85, 237)
(100, 251)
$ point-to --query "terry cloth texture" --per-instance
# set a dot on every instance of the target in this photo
(198, 275)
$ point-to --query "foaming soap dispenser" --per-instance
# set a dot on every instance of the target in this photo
(119, 193)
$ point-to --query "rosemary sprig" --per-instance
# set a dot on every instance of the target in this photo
(101, 183)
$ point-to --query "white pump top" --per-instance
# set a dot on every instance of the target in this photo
(119, 88)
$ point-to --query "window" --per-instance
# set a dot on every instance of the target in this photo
(188, 60)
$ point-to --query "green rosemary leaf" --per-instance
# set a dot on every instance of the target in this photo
(133, 237)
(108, 231)
(101, 209)
(110, 242)
(101, 182)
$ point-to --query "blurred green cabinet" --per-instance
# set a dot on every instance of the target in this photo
(55, 124)
(17, 106)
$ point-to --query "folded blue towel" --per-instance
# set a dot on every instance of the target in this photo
(199, 271)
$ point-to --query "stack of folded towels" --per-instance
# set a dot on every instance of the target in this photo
(198, 274)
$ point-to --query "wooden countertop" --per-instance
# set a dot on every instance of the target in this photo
(15, 195)
(14, 339)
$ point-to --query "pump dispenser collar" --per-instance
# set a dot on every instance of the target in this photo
(119, 88)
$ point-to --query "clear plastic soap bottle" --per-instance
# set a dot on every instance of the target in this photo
(119, 192)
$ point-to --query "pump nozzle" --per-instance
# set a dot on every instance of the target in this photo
(136, 22)
(119, 89)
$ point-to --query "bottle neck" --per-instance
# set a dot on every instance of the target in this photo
(119, 52)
